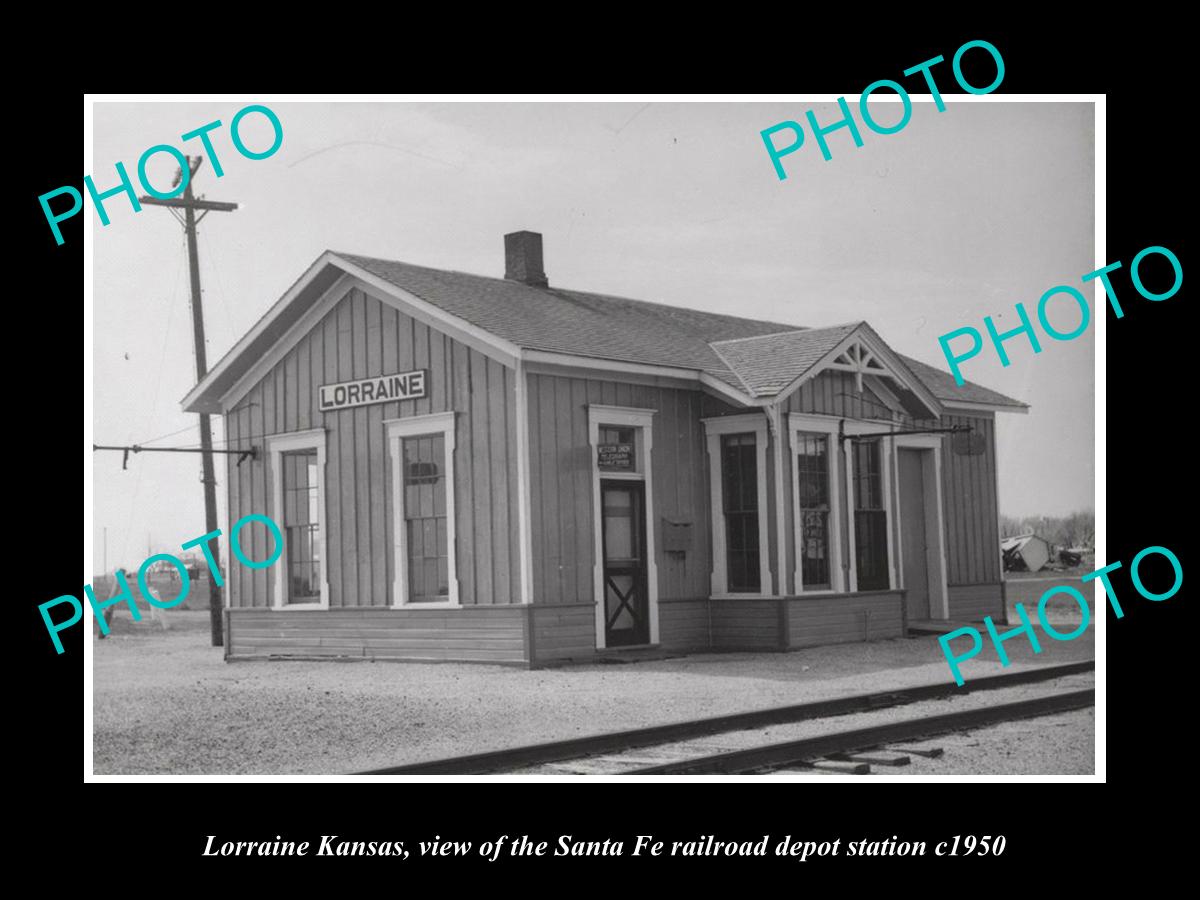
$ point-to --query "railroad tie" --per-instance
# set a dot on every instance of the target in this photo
(873, 760)
(840, 766)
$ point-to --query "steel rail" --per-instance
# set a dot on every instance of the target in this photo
(770, 756)
(591, 745)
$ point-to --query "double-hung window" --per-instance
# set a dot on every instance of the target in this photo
(422, 455)
(302, 526)
(739, 489)
(870, 517)
(817, 499)
(297, 462)
(737, 450)
(812, 492)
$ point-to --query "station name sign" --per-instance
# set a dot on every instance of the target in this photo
(346, 394)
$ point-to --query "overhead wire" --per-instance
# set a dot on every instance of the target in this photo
(137, 480)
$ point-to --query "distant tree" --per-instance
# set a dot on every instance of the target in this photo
(1009, 527)
(1075, 530)
(1079, 529)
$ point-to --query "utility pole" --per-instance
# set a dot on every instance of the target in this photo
(189, 204)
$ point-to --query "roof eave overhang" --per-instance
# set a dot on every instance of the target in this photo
(974, 406)
(614, 367)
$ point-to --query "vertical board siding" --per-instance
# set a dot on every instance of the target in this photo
(969, 506)
(362, 337)
(333, 462)
(833, 393)
(260, 578)
(561, 493)
(233, 587)
(461, 386)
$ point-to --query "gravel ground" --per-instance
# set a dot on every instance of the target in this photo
(1059, 608)
(166, 702)
(1045, 748)
(1064, 744)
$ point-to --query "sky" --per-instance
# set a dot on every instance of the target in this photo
(962, 214)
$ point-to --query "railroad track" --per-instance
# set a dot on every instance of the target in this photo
(848, 745)
(835, 750)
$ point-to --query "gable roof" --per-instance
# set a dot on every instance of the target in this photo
(756, 358)
(575, 322)
(767, 364)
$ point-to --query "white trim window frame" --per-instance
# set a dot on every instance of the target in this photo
(939, 599)
(714, 429)
(397, 430)
(642, 420)
(276, 446)
(886, 466)
(799, 423)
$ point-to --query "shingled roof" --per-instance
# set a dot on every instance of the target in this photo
(575, 322)
(943, 387)
(768, 363)
(758, 358)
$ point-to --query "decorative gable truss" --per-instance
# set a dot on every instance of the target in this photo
(858, 358)
(879, 373)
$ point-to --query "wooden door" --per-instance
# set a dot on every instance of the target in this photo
(626, 604)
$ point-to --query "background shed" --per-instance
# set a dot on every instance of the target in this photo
(1025, 553)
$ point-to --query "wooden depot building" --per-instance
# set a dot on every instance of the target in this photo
(498, 469)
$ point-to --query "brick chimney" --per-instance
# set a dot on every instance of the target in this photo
(523, 258)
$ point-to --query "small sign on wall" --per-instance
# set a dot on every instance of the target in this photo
(385, 389)
(615, 456)
(677, 535)
(968, 444)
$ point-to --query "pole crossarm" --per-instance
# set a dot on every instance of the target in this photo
(184, 203)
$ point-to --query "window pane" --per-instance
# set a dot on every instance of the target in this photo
(812, 466)
(620, 538)
(302, 530)
(870, 518)
(423, 460)
(868, 476)
(739, 486)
